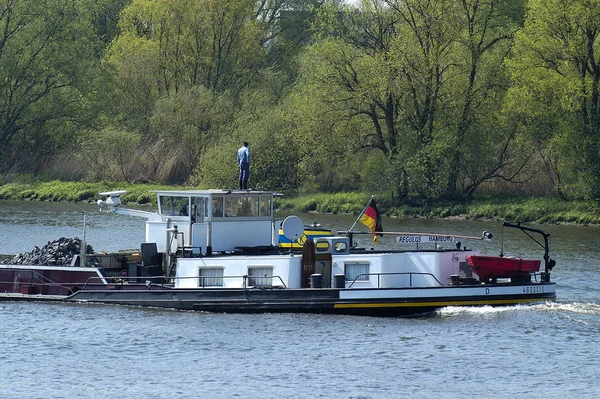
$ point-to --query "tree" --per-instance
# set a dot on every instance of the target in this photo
(428, 79)
(184, 124)
(193, 42)
(556, 72)
(184, 71)
(288, 26)
(486, 36)
(177, 64)
(48, 66)
(349, 72)
(104, 16)
(107, 154)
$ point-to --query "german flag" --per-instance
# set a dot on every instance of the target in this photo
(372, 219)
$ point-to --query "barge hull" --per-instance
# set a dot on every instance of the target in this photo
(397, 302)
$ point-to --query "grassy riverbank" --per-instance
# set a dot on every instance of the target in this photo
(536, 210)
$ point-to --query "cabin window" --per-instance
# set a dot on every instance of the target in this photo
(241, 206)
(174, 206)
(340, 247)
(356, 270)
(260, 276)
(199, 205)
(217, 207)
(210, 277)
(248, 207)
(322, 246)
(231, 206)
(265, 206)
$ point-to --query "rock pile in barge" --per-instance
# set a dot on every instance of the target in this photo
(56, 253)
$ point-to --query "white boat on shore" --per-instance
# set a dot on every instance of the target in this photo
(218, 250)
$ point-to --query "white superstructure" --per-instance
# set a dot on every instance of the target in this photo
(203, 221)
(228, 239)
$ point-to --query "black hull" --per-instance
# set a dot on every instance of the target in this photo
(321, 301)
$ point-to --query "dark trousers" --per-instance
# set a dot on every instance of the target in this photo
(244, 174)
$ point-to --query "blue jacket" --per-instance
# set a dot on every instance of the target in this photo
(243, 155)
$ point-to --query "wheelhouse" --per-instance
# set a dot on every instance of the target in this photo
(204, 221)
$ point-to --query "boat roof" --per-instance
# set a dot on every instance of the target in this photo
(213, 192)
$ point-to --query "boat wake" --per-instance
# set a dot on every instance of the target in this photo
(575, 307)
(452, 311)
(569, 308)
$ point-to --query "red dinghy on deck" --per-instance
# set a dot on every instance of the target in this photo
(490, 267)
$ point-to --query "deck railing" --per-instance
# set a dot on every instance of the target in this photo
(151, 281)
(123, 281)
(410, 274)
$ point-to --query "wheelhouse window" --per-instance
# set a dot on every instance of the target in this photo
(241, 206)
(217, 207)
(356, 271)
(265, 206)
(199, 209)
(210, 277)
(174, 206)
(260, 276)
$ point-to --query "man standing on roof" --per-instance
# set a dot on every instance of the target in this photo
(243, 158)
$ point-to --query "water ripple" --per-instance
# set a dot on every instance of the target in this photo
(544, 350)
(576, 307)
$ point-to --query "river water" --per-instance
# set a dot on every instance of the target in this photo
(94, 351)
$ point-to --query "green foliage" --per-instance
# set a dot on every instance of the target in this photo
(309, 205)
(274, 158)
(134, 64)
(561, 93)
(191, 42)
(424, 81)
(533, 210)
(413, 101)
(377, 174)
(185, 122)
(109, 153)
(537, 210)
(49, 68)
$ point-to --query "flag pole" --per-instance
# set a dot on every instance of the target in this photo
(360, 214)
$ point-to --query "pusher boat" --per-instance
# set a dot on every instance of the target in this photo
(218, 251)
